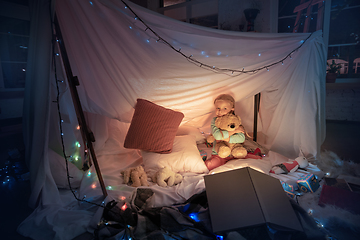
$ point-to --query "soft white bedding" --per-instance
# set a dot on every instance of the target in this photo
(184, 159)
(113, 157)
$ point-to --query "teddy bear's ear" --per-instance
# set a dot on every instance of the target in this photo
(238, 117)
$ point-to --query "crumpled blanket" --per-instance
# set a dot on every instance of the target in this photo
(189, 220)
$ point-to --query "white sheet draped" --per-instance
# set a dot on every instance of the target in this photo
(118, 60)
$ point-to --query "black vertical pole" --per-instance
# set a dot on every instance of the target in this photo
(87, 136)
(256, 112)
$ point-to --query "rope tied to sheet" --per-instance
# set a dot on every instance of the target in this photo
(209, 67)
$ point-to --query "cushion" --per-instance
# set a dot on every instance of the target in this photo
(190, 130)
(185, 157)
(153, 127)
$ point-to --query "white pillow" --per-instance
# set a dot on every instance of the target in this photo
(189, 130)
(185, 157)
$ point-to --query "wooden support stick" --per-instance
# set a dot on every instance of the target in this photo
(256, 112)
(73, 82)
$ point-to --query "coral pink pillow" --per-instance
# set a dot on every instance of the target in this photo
(153, 128)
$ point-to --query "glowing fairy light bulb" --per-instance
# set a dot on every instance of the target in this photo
(109, 187)
(93, 186)
(320, 225)
(122, 198)
(89, 174)
(78, 144)
(194, 216)
(78, 127)
(124, 207)
(310, 212)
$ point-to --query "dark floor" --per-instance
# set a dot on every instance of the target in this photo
(341, 138)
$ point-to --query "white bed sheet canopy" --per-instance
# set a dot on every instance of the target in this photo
(117, 59)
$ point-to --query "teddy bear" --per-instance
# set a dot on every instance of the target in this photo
(166, 177)
(225, 149)
(291, 166)
(136, 175)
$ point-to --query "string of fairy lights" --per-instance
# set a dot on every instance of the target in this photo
(191, 59)
(201, 64)
(109, 206)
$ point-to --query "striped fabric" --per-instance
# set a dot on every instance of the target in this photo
(153, 128)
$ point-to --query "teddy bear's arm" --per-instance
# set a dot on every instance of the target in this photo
(126, 174)
(171, 181)
(135, 178)
(162, 183)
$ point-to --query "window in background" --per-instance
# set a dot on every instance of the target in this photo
(344, 47)
(14, 40)
(344, 32)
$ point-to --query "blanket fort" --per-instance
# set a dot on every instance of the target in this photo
(118, 60)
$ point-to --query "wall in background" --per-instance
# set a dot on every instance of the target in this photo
(343, 102)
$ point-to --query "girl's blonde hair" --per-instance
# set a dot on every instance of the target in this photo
(226, 97)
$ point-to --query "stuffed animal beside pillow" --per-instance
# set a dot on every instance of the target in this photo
(166, 177)
(136, 175)
(225, 149)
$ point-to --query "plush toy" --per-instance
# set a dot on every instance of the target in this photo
(291, 166)
(225, 149)
(136, 175)
(166, 177)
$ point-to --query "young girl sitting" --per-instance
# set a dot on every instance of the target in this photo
(224, 104)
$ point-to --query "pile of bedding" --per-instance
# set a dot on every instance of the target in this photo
(184, 158)
(155, 140)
